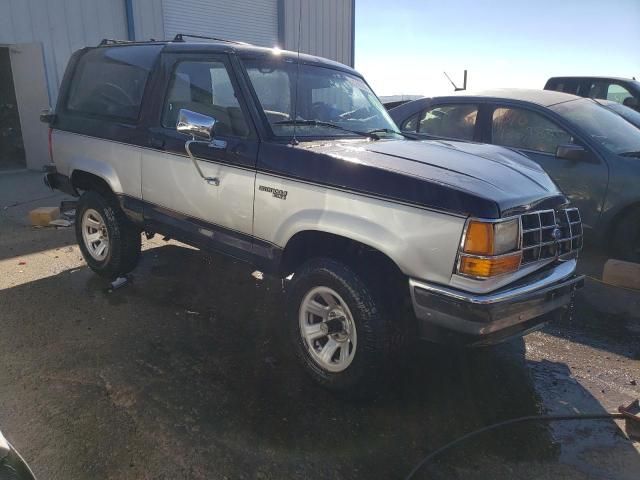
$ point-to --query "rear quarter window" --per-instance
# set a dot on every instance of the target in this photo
(110, 82)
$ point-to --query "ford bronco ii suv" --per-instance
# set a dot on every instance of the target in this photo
(290, 162)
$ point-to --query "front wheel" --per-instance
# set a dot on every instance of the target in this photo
(336, 327)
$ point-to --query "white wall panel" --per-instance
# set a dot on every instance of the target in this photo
(326, 28)
(148, 19)
(252, 21)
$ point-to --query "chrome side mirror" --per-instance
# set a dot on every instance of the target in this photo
(195, 124)
(201, 128)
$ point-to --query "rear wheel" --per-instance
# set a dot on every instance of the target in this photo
(336, 326)
(109, 241)
(626, 241)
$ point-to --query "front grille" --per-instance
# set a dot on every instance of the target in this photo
(550, 234)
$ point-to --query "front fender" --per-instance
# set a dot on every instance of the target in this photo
(422, 243)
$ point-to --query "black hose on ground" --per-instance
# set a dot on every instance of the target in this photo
(530, 418)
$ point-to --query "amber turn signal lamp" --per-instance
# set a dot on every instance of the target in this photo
(479, 238)
(490, 267)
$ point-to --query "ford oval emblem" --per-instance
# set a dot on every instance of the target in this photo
(556, 234)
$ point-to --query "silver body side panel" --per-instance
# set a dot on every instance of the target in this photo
(171, 181)
(116, 163)
(422, 243)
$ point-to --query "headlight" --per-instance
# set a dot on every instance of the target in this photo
(490, 248)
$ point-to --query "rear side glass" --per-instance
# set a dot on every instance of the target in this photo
(567, 85)
(110, 82)
(451, 121)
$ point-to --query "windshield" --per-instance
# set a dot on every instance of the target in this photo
(330, 103)
(627, 113)
(604, 126)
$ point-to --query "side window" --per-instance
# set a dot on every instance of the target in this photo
(411, 124)
(519, 128)
(206, 88)
(452, 121)
(110, 81)
(597, 89)
(568, 85)
(617, 93)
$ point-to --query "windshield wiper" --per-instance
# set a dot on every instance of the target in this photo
(630, 154)
(318, 123)
(390, 130)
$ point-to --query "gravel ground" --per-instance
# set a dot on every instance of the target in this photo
(186, 373)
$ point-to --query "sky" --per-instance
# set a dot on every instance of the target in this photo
(403, 46)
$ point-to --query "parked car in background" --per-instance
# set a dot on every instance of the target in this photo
(394, 104)
(592, 153)
(630, 115)
(380, 238)
(619, 90)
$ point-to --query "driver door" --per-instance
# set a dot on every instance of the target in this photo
(175, 195)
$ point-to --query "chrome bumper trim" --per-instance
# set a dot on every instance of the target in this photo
(507, 312)
(532, 284)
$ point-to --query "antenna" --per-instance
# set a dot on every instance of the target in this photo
(294, 140)
(455, 87)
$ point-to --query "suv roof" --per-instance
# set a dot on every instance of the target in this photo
(545, 98)
(228, 46)
(592, 77)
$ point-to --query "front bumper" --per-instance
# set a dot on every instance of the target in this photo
(445, 314)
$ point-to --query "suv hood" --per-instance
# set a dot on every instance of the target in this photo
(486, 173)
(468, 179)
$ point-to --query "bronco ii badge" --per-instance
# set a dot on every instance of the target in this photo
(281, 194)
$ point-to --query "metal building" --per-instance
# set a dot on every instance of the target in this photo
(37, 38)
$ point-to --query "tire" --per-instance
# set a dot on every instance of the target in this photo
(626, 242)
(101, 223)
(367, 346)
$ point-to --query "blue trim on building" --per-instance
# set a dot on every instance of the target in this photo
(353, 34)
(131, 29)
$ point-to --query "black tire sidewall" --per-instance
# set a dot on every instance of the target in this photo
(372, 338)
(115, 263)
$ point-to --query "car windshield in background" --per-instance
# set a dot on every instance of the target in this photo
(604, 126)
(629, 114)
(330, 103)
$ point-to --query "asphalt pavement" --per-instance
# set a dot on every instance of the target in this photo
(185, 372)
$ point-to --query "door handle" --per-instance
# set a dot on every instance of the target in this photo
(219, 144)
(215, 181)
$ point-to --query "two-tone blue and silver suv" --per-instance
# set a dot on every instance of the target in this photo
(291, 163)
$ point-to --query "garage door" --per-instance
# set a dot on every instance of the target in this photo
(253, 21)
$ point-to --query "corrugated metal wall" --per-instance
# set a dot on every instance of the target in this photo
(326, 28)
(253, 21)
(148, 20)
(62, 26)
